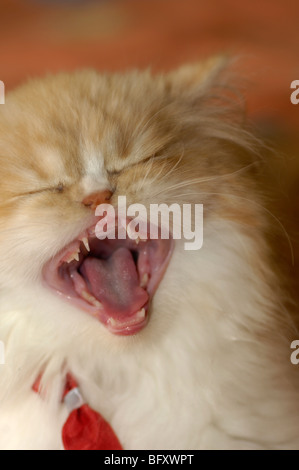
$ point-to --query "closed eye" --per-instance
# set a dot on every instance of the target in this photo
(58, 189)
(118, 172)
(114, 172)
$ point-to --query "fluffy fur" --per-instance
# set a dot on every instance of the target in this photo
(212, 369)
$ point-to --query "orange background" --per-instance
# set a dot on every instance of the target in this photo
(37, 37)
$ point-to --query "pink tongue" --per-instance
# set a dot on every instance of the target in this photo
(115, 283)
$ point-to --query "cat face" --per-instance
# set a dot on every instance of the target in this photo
(70, 142)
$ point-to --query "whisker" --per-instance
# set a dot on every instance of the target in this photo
(148, 169)
(205, 180)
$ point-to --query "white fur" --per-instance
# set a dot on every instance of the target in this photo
(198, 377)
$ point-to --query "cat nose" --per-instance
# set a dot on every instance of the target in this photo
(94, 199)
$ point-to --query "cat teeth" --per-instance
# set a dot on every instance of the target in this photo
(73, 256)
(91, 299)
(142, 238)
(140, 315)
(144, 280)
(76, 254)
(85, 243)
(112, 322)
(132, 235)
(139, 239)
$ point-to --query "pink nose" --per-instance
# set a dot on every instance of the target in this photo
(94, 199)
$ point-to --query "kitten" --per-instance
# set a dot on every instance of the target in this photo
(206, 365)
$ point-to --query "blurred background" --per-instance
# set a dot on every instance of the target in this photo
(42, 36)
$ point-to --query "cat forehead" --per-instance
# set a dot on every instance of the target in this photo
(86, 163)
(86, 167)
(39, 165)
(80, 124)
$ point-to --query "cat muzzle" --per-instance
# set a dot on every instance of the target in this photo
(114, 280)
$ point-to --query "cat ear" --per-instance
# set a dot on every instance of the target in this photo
(193, 76)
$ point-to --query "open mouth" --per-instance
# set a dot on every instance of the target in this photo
(113, 280)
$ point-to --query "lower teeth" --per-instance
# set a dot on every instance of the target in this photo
(139, 315)
(91, 299)
(144, 280)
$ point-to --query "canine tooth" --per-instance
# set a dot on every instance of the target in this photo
(87, 296)
(85, 243)
(141, 313)
(74, 255)
(112, 322)
(144, 280)
(137, 240)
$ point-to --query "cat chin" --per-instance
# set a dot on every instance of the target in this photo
(198, 318)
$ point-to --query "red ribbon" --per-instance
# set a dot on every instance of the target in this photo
(85, 429)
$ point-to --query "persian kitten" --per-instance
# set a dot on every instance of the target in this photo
(176, 349)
